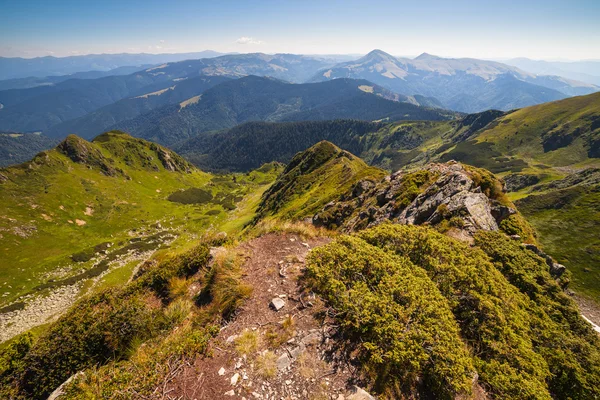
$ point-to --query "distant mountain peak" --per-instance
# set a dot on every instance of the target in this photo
(379, 54)
(427, 56)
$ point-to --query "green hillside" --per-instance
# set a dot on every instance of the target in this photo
(72, 212)
(313, 178)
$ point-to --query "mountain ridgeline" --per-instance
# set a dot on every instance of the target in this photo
(87, 103)
(466, 85)
(266, 99)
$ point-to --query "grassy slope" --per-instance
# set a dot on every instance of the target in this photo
(313, 178)
(44, 195)
(522, 132)
(568, 222)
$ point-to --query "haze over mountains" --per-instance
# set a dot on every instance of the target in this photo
(58, 106)
(463, 84)
(585, 71)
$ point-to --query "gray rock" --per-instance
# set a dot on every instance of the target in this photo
(453, 194)
(361, 187)
(283, 362)
(557, 269)
(277, 303)
(312, 339)
(296, 351)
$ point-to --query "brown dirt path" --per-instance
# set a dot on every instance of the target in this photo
(306, 364)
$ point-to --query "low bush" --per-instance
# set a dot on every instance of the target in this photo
(401, 325)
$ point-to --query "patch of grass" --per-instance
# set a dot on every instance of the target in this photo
(309, 365)
(302, 229)
(247, 343)
(266, 365)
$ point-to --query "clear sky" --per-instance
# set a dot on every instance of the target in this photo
(540, 29)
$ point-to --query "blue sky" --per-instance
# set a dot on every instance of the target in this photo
(549, 29)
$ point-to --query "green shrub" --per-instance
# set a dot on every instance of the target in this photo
(527, 337)
(392, 312)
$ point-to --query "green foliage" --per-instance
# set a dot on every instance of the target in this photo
(16, 148)
(158, 276)
(525, 336)
(148, 367)
(93, 331)
(567, 343)
(489, 184)
(517, 225)
(401, 324)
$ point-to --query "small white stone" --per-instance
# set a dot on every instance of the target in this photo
(222, 371)
(277, 303)
(234, 379)
(230, 393)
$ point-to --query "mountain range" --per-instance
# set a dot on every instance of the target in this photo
(58, 106)
(464, 84)
(255, 98)
(17, 67)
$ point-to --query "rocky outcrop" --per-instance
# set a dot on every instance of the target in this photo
(515, 182)
(171, 161)
(440, 192)
(556, 269)
(454, 194)
(84, 152)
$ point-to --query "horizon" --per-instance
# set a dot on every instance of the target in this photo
(357, 55)
(535, 29)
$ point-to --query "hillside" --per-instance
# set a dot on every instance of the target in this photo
(16, 148)
(386, 145)
(466, 85)
(452, 309)
(98, 121)
(84, 214)
(254, 98)
(313, 178)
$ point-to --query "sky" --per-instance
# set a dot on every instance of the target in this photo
(548, 29)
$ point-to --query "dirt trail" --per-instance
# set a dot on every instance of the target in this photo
(304, 366)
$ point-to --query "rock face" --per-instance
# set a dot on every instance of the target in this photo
(453, 193)
(515, 182)
(438, 192)
(359, 394)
